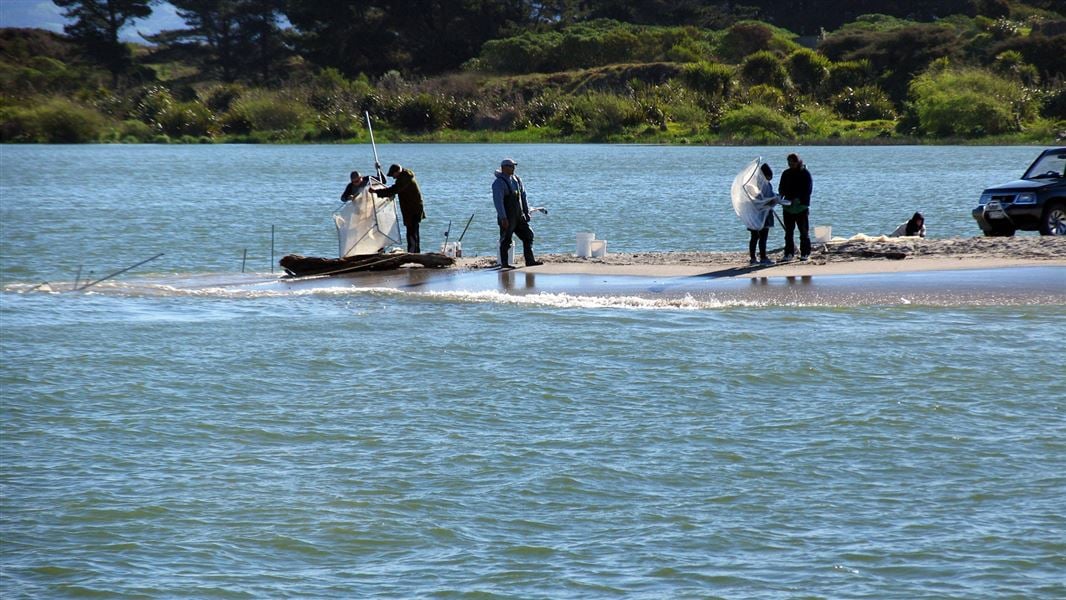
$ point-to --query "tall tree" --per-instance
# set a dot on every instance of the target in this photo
(96, 27)
(237, 38)
(423, 36)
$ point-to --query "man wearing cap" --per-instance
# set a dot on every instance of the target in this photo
(405, 186)
(355, 187)
(512, 213)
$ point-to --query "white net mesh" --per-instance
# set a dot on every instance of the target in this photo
(367, 224)
(748, 200)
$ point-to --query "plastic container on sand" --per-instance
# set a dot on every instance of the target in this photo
(584, 244)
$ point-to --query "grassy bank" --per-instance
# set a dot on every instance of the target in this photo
(599, 82)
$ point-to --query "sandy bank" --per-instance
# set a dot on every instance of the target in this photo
(854, 256)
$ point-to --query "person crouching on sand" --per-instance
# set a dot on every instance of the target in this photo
(913, 226)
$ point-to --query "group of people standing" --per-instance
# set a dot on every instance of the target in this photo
(794, 196)
(508, 196)
(513, 215)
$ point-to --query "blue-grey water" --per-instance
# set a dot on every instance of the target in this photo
(189, 430)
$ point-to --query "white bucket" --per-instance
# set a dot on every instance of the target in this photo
(452, 249)
(598, 248)
(584, 244)
(822, 234)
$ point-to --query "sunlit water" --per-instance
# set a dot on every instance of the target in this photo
(189, 430)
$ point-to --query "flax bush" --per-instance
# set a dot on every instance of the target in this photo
(712, 79)
(807, 69)
(764, 68)
(865, 103)
(187, 119)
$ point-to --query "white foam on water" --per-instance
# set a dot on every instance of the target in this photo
(275, 289)
(563, 300)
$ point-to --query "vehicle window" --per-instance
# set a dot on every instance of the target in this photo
(1049, 166)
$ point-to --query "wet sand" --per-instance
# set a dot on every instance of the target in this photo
(977, 271)
(855, 256)
(949, 272)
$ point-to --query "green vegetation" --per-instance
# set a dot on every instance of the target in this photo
(995, 75)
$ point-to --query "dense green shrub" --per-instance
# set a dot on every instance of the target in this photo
(15, 124)
(134, 131)
(712, 79)
(678, 104)
(338, 125)
(55, 121)
(62, 121)
(1055, 104)
(864, 103)
(583, 47)
(818, 121)
(266, 112)
(421, 112)
(40, 75)
(969, 102)
(807, 69)
(599, 114)
(847, 74)
(872, 23)
(746, 38)
(543, 108)
(524, 53)
(766, 95)
(897, 55)
(689, 50)
(186, 119)
(756, 123)
(1011, 63)
(594, 43)
(218, 98)
(150, 102)
(764, 67)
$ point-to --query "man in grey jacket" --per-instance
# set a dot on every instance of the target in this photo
(512, 213)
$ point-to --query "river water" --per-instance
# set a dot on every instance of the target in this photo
(187, 429)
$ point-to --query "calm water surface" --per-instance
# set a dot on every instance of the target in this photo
(188, 430)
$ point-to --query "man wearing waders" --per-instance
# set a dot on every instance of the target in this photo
(512, 213)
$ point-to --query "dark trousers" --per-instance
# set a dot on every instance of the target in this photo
(802, 221)
(413, 246)
(758, 237)
(516, 225)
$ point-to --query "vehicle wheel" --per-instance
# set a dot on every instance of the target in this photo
(1053, 222)
(1000, 232)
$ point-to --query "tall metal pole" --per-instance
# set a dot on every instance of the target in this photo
(119, 272)
(377, 162)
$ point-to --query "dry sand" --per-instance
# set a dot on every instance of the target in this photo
(852, 256)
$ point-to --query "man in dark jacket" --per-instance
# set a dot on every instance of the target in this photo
(355, 187)
(405, 186)
(796, 186)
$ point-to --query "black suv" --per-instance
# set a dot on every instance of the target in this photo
(1036, 202)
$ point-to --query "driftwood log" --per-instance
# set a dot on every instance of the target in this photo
(304, 266)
